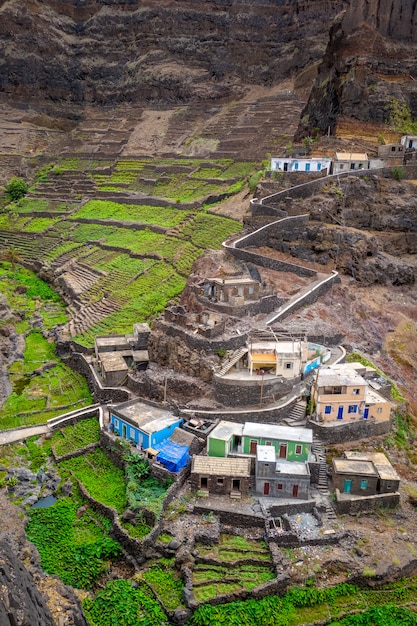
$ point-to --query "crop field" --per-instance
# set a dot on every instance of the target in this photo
(243, 565)
(137, 271)
(76, 436)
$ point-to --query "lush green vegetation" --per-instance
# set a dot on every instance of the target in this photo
(104, 481)
(40, 394)
(76, 436)
(103, 209)
(342, 605)
(16, 188)
(74, 548)
(166, 583)
(143, 491)
(120, 603)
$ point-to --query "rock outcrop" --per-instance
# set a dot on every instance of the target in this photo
(106, 51)
(370, 60)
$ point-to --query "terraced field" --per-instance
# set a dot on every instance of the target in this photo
(117, 256)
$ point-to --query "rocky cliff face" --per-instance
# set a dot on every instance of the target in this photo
(370, 60)
(106, 51)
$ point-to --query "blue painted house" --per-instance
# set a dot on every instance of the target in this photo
(142, 423)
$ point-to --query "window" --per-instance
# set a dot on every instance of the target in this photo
(296, 165)
(364, 484)
(132, 432)
(116, 423)
(356, 392)
(352, 408)
(154, 440)
(342, 166)
(352, 166)
(279, 486)
(328, 409)
(251, 290)
(379, 410)
(307, 167)
(298, 449)
(288, 366)
(268, 443)
(220, 481)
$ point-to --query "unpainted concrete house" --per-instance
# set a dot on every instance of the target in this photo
(221, 476)
(280, 478)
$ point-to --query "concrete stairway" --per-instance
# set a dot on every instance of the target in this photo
(235, 357)
(297, 416)
(323, 484)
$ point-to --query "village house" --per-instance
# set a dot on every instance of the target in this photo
(345, 161)
(231, 290)
(280, 478)
(117, 354)
(298, 164)
(340, 393)
(364, 480)
(409, 142)
(289, 443)
(221, 476)
(143, 424)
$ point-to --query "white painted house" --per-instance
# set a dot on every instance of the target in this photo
(409, 141)
(287, 164)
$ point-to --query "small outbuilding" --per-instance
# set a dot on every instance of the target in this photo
(221, 476)
(279, 478)
(345, 161)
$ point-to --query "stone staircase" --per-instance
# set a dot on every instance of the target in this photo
(232, 360)
(297, 415)
(323, 485)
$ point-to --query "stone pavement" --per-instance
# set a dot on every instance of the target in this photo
(10, 436)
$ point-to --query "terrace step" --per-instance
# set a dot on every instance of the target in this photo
(297, 416)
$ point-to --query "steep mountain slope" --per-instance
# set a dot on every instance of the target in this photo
(370, 60)
(172, 51)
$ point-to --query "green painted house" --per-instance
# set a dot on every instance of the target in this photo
(292, 444)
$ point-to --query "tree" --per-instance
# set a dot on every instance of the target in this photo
(16, 188)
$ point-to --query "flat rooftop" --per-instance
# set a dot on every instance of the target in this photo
(222, 467)
(148, 418)
(224, 430)
(380, 461)
(332, 377)
(354, 466)
(113, 341)
(292, 467)
(265, 454)
(276, 431)
(113, 362)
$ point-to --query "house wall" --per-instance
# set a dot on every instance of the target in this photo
(344, 400)
(345, 166)
(137, 435)
(287, 483)
(216, 447)
(276, 443)
(381, 411)
(220, 485)
(388, 486)
(370, 490)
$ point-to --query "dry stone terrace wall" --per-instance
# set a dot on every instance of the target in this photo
(261, 416)
(230, 392)
(350, 431)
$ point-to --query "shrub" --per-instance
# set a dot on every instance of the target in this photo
(16, 188)
(397, 172)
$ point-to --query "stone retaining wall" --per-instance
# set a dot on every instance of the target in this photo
(265, 304)
(233, 392)
(350, 431)
(358, 504)
(232, 518)
(75, 453)
(263, 416)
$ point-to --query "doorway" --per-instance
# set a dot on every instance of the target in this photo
(266, 489)
(295, 491)
(283, 451)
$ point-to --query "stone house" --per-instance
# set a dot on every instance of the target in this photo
(231, 290)
(364, 474)
(221, 476)
(289, 443)
(279, 478)
(345, 161)
(340, 393)
(143, 424)
(298, 164)
(116, 354)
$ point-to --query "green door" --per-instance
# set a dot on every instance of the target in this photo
(347, 486)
